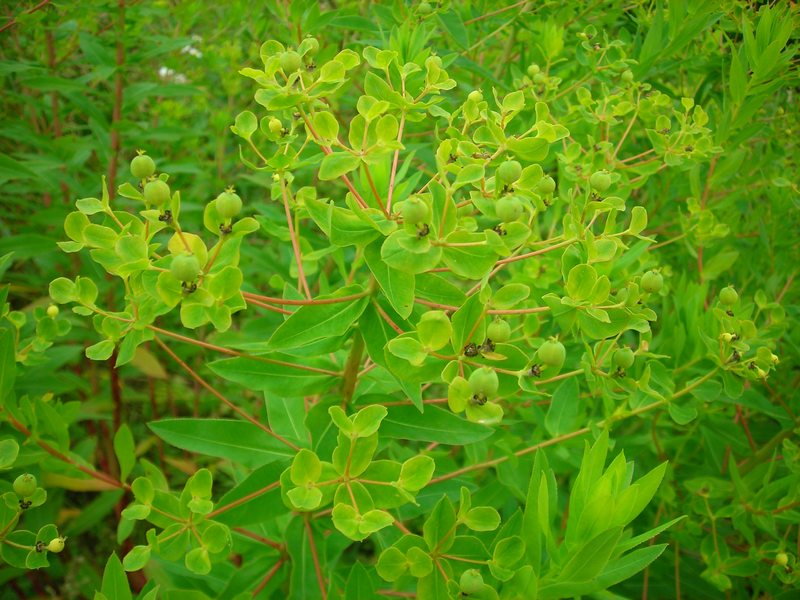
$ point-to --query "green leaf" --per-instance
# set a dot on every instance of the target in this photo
(469, 174)
(306, 467)
(737, 79)
(329, 321)
(341, 420)
(564, 408)
(591, 558)
(439, 528)
(435, 425)
(468, 323)
(303, 582)
(137, 558)
(580, 282)
(245, 124)
(406, 252)
(337, 164)
(419, 562)
(197, 561)
(62, 290)
(531, 149)
(513, 102)
(326, 126)
(367, 420)
(629, 565)
(346, 519)
(287, 418)
(682, 415)
(305, 498)
(252, 498)
(506, 554)
(482, 518)
(124, 447)
(638, 220)
(398, 286)
(286, 376)
(416, 472)
(359, 584)
(9, 449)
(452, 23)
(233, 440)
(115, 583)
(101, 350)
(8, 363)
(510, 296)
(407, 348)
(89, 206)
(143, 490)
(374, 520)
(391, 564)
(472, 262)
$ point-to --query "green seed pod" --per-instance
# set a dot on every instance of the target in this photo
(185, 267)
(415, 210)
(142, 167)
(290, 61)
(627, 76)
(600, 181)
(475, 96)
(471, 582)
(434, 329)
(499, 331)
(424, 8)
(533, 70)
(313, 46)
(25, 485)
(781, 559)
(728, 296)
(56, 545)
(275, 125)
(52, 311)
(509, 171)
(623, 358)
(539, 78)
(652, 282)
(546, 186)
(552, 353)
(484, 382)
(156, 192)
(229, 204)
(508, 209)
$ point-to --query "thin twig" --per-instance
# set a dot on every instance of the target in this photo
(191, 372)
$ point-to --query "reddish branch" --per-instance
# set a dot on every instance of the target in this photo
(104, 477)
(315, 557)
(191, 372)
(31, 10)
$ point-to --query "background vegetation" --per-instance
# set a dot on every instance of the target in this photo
(87, 84)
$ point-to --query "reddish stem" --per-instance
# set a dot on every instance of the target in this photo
(243, 500)
(230, 352)
(295, 242)
(259, 538)
(395, 160)
(270, 574)
(315, 557)
(222, 398)
(314, 301)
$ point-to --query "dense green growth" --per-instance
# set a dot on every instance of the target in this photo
(417, 299)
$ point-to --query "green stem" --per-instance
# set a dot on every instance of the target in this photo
(352, 367)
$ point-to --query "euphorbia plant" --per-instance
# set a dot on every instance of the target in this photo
(442, 252)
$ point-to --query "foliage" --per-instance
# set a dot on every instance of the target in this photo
(448, 284)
